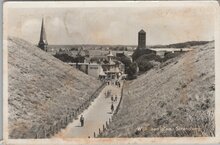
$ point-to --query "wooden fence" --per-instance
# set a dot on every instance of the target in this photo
(46, 131)
(106, 125)
(119, 104)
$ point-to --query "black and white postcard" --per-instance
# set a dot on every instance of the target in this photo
(111, 72)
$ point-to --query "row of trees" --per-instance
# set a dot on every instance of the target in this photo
(147, 59)
(67, 58)
(130, 67)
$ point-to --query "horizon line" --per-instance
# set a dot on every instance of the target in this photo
(130, 44)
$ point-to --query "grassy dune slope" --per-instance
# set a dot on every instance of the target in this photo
(42, 89)
(174, 100)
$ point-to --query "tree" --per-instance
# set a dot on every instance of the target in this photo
(139, 52)
(132, 70)
(145, 65)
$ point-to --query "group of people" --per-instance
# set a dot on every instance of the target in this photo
(114, 99)
(107, 94)
(116, 83)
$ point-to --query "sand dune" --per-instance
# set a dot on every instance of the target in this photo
(42, 89)
(176, 99)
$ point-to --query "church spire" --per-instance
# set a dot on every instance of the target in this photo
(43, 40)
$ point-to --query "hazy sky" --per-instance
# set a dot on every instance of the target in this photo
(112, 25)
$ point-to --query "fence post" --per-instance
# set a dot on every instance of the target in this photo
(56, 130)
(51, 130)
(99, 131)
(36, 136)
(64, 123)
(94, 134)
(103, 127)
(106, 124)
(45, 133)
(76, 114)
(59, 125)
(66, 120)
(69, 116)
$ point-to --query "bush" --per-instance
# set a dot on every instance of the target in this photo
(144, 66)
(67, 58)
(64, 57)
(126, 61)
(170, 55)
(131, 70)
(139, 52)
(147, 61)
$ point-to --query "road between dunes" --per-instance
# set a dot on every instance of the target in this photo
(95, 116)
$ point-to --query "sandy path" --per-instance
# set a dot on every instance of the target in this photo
(95, 116)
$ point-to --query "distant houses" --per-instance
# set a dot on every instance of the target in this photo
(105, 68)
(101, 63)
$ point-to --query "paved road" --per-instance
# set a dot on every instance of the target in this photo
(95, 116)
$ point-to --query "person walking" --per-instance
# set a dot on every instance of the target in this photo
(117, 83)
(112, 98)
(82, 120)
(106, 94)
(112, 108)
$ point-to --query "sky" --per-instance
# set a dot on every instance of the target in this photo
(112, 25)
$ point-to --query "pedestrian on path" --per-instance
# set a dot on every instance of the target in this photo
(115, 98)
(112, 108)
(112, 98)
(82, 120)
(117, 83)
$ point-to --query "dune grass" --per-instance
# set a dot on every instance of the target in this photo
(42, 89)
(173, 100)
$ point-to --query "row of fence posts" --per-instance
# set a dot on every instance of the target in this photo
(102, 130)
(46, 132)
(106, 125)
(116, 110)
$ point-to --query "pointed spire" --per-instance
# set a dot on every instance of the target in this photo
(43, 40)
(142, 31)
(43, 33)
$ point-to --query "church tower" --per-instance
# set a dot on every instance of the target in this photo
(43, 40)
(141, 39)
